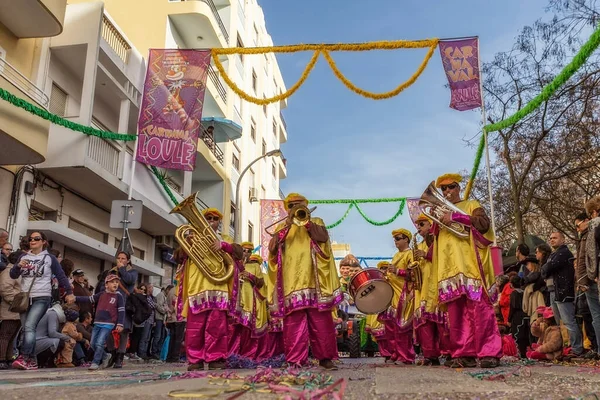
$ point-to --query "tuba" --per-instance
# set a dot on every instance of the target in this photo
(415, 266)
(217, 266)
(434, 205)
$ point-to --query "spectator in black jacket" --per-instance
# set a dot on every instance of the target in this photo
(559, 272)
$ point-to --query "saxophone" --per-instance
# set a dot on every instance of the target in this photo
(415, 265)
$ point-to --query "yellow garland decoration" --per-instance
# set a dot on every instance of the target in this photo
(324, 49)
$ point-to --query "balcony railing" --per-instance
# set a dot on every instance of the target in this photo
(282, 120)
(104, 153)
(114, 39)
(215, 12)
(281, 195)
(209, 140)
(216, 80)
(23, 83)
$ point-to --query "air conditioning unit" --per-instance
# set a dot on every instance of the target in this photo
(253, 195)
(165, 241)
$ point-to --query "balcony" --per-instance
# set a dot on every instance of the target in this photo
(33, 18)
(282, 168)
(283, 136)
(210, 142)
(115, 40)
(23, 136)
(199, 23)
(215, 78)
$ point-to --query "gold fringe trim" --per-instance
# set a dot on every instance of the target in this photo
(325, 49)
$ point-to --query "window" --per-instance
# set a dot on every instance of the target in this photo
(58, 101)
(263, 192)
(264, 147)
(274, 170)
(253, 130)
(240, 44)
(232, 218)
(255, 34)
(275, 88)
(254, 81)
(87, 230)
(250, 232)
(236, 162)
(252, 179)
(265, 108)
(274, 127)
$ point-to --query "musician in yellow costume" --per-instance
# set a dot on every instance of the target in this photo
(305, 286)
(465, 273)
(253, 307)
(376, 327)
(398, 318)
(429, 314)
(205, 305)
(238, 321)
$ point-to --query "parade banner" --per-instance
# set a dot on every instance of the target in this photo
(460, 59)
(169, 123)
(413, 209)
(270, 212)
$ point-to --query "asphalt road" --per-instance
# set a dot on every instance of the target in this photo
(363, 379)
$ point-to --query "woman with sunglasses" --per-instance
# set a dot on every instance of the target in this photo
(465, 274)
(35, 268)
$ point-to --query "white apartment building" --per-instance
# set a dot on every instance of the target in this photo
(206, 24)
(92, 74)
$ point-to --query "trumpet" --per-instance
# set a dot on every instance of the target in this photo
(301, 216)
(435, 205)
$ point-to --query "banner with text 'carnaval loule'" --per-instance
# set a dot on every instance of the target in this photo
(460, 59)
(169, 123)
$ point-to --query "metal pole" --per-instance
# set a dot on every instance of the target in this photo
(487, 150)
(238, 203)
(133, 163)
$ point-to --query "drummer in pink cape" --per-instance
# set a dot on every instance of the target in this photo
(430, 316)
(305, 286)
(398, 318)
(377, 328)
(461, 255)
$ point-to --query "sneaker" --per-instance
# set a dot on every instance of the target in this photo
(328, 365)
(31, 365)
(429, 362)
(105, 360)
(85, 365)
(93, 367)
(4, 365)
(134, 357)
(592, 355)
(20, 363)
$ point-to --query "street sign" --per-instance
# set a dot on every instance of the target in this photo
(126, 214)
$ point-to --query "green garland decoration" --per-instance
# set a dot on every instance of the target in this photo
(339, 221)
(164, 185)
(568, 71)
(354, 204)
(55, 119)
(349, 201)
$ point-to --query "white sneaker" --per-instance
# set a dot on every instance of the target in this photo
(94, 367)
(105, 360)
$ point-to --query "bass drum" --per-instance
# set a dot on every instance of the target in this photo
(371, 291)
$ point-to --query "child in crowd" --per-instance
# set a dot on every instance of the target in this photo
(110, 314)
(509, 347)
(551, 346)
(65, 358)
(517, 318)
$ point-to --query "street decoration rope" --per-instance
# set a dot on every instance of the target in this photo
(325, 50)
